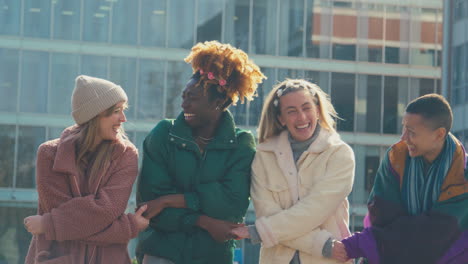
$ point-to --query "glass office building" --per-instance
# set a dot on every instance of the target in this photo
(454, 72)
(371, 56)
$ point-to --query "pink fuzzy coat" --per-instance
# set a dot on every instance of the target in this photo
(83, 226)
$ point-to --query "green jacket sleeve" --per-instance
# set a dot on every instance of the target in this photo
(227, 198)
(155, 181)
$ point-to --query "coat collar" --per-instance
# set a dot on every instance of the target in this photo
(324, 140)
(65, 156)
(225, 136)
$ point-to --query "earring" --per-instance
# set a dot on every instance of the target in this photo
(217, 108)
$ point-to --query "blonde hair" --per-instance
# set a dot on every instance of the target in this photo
(269, 124)
(229, 69)
(90, 159)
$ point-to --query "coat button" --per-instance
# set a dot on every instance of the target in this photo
(183, 145)
(172, 139)
(290, 173)
(231, 141)
(281, 153)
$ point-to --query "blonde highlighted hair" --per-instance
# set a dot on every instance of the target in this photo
(269, 124)
(227, 68)
(91, 159)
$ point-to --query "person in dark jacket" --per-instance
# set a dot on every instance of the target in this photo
(195, 176)
(418, 208)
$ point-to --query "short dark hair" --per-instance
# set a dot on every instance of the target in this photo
(434, 108)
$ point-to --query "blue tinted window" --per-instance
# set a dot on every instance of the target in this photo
(255, 107)
(9, 62)
(10, 14)
(95, 66)
(342, 95)
(124, 22)
(291, 28)
(178, 74)
(7, 155)
(123, 73)
(264, 27)
(66, 19)
(236, 25)
(29, 139)
(210, 19)
(150, 90)
(37, 18)
(153, 22)
(34, 81)
(64, 71)
(181, 21)
(96, 20)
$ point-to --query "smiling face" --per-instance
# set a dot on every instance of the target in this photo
(198, 109)
(299, 113)
(421, 138)
(110, 124)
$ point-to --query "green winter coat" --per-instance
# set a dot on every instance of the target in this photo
(215, 183)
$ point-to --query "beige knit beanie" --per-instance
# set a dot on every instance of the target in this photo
(93, 95)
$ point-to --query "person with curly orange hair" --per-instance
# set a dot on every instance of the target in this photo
(195, 176)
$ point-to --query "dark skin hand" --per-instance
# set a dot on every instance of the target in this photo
(220, 230)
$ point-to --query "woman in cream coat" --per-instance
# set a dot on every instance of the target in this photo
(302, 174)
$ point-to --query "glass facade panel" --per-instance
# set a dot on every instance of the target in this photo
(14, 238)
(319, 29)
(36, 18)
(342, 95)
(178, 74)
(344, 33)
(344, 52)
(395, 101)
(34, 88)
(370, 33)
(96, 20)
(368, 108)
(397, 32)
(63, 73)
(10, 15)
(125, 22)
(255, 106)
(54, 132)
(284, 74)
(29, 139)
(420, 87)
(181, 23)
(367, 163)
(150, 90)
(67, 15)
(153, 23)
(123, 72)
(209, 20)
(423, 35)
(9, 65)
(390, 105)
(7, 155)
(240, 113)
(236, 25)
(95, 66)
(291, 26)
(264, 27)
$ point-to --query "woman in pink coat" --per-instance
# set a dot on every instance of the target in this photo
(84, 180)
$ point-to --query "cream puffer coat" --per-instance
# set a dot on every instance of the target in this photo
(299, 208)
